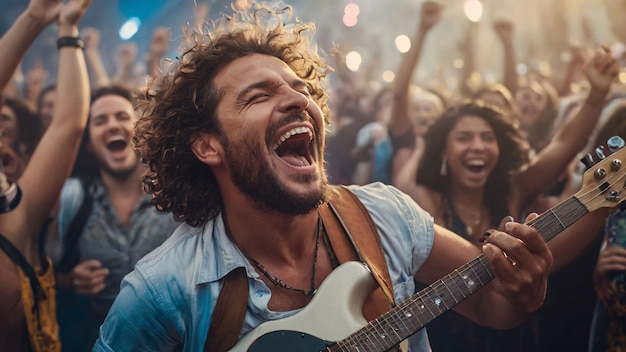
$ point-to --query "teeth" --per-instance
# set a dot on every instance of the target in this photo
(476, 163)
(116, 138)
(291, 133)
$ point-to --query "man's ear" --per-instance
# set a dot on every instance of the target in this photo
(207, 148)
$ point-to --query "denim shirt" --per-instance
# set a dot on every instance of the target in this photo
(166, 303)
(106, 239)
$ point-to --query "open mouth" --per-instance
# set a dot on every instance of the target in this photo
(475, 166)
(294, 146)
(116, 145)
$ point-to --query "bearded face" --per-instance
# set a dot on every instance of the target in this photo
(256, 178)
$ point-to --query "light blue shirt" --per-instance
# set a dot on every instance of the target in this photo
(166, 303)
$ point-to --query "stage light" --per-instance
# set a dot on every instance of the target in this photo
(129, 28)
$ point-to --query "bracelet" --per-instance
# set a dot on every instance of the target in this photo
(74, 42)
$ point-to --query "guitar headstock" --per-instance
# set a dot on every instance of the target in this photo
(605, 178)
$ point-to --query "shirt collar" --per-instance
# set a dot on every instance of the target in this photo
(219, 254)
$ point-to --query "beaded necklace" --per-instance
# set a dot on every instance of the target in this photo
(278, 282)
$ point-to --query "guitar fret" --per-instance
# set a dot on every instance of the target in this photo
(447, 288)
(463, 282)
(564, 214)
(424, 309)
(384, 333)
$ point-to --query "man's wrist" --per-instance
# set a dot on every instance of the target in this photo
(69, 41)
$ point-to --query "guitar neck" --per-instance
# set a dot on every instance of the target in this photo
(418, 310)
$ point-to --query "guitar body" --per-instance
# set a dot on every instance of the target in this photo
(334, 313)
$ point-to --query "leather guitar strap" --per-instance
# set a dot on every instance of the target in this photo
(230, 311)
(354, 237)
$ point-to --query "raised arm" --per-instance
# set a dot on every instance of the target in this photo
(400, 121)
(158, 48)
(572, 136)
(573, 66)
(504, 31)
(35, 79)
(127, 55)
(98, 73)
(22, 33)
(53, 158)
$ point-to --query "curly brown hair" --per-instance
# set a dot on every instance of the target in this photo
(513, 154)
(181, 103)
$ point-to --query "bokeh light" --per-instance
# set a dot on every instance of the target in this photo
(473, 10)
(388, 76)
(353, 61)
(403, 43)
(129, 28)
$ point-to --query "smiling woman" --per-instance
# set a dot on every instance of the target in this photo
(469, 140)
(475, 171)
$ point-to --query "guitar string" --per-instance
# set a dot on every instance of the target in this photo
(278, 282)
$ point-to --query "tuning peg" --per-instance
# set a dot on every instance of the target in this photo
(616, 165)
(615, 143)
(600, 152)
(588, 161)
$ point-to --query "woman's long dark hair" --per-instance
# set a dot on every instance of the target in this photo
(513, 154)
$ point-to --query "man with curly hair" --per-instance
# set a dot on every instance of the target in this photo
(233, 136)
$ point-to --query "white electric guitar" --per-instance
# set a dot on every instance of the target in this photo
(333, 320)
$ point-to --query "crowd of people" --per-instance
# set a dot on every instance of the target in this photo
(130, 199)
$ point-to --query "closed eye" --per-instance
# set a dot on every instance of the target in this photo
(261, 97)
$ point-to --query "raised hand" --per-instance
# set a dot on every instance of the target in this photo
(73, 11)
(160, 42)
(45, 11)
(601, 69)
(36, 76)
(127, 53)
(431, 13)
(91, 37)
(504, 29)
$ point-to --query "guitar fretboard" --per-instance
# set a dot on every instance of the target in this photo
(418, 310)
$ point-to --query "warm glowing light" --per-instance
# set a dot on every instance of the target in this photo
(350, 21)
(353, 61)
(403, 43)
(352, 9)
(473, 10)
(622, 77)
(389, 76)
(458, 63)
(544, 68)
(350, 14)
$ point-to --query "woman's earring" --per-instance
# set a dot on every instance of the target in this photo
(444, 167)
